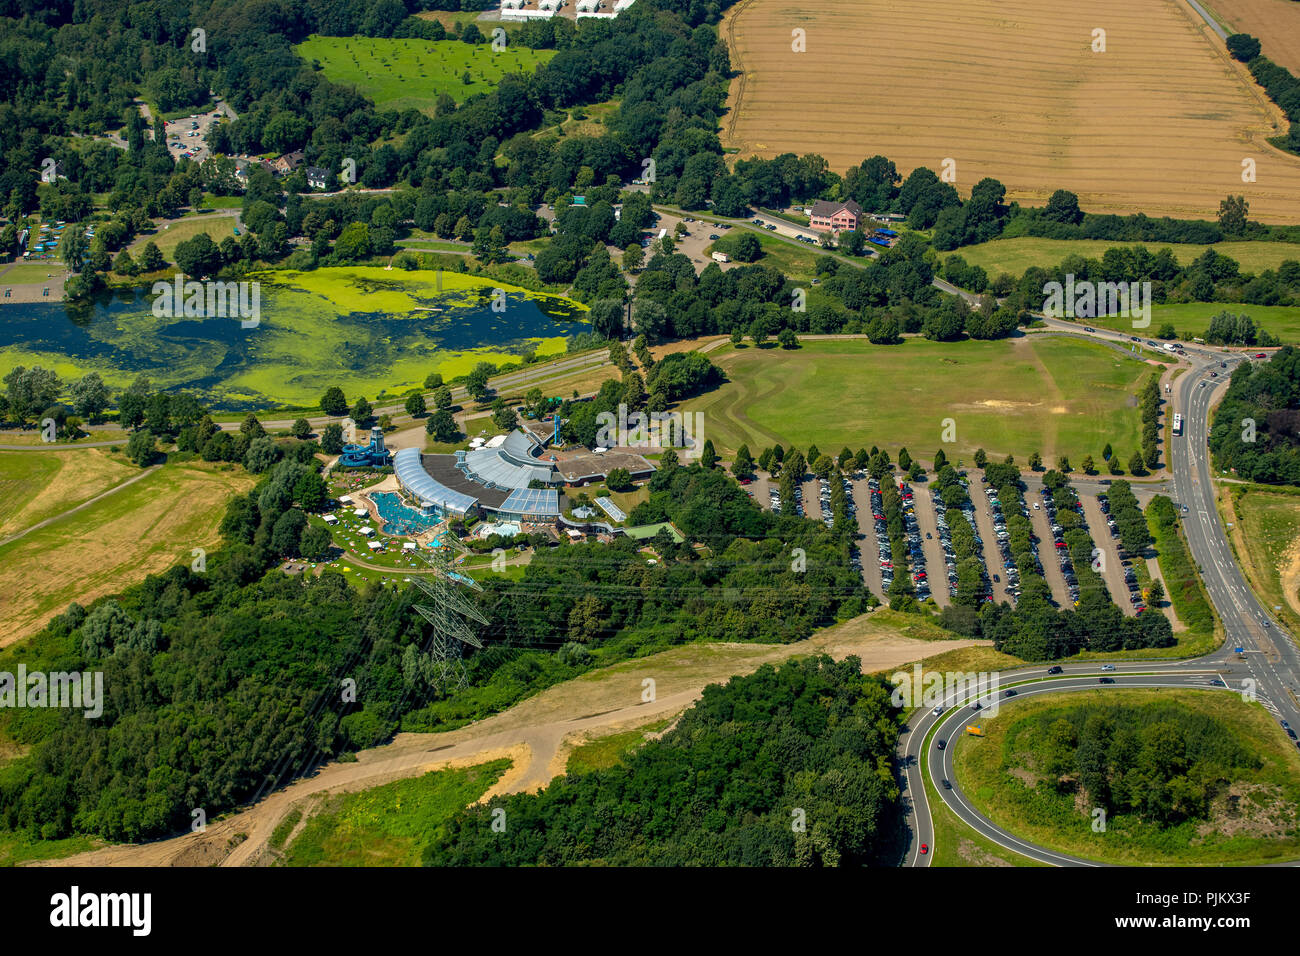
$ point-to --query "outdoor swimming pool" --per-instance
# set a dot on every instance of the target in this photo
(398, 518)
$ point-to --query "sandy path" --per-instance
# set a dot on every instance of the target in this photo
(533, 733)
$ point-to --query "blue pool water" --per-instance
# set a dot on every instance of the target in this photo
(398, 518)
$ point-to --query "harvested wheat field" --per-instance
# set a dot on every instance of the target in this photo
(1275, 23)
(1160, 122)
(116, 542)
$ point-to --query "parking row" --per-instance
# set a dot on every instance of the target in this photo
(1009, 577)
(1117, 571)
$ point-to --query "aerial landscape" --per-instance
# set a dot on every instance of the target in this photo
(646, 433)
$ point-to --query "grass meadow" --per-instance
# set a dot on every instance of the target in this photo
(1252, 820)
(412, 74)
(1054, 395)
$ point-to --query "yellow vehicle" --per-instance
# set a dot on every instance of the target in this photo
(975, 730)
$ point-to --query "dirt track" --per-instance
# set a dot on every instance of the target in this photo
(533, 733)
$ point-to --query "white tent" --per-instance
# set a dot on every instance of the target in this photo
(360, 512)
(345, 499)
(409, 546)
(367, 531)
(330, 519)
(375, 545)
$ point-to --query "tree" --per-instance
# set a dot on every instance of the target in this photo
(130, 410)
(433, 380)
(1035, 462)
(89, 395)
(618, 479)
(1136, 464)
(737, 336)
(442, 397)
(198, 256)
(708, 457)
(441, 427)
(981, 458)
(1106, 452)
(310, 491)
(1114, 466)
(633, 257)
(1243, 47)
(141, 447)
(415, 406)
(261, 455)
(743, 465)
(1156, 593)
(301, 428)
(124, 265)
(251, 427)
(1063, 465)
(151, 259)
(1232, 215)
(940, 459)
(361, 410)
(333, 402)
(286, 534)
(504, 417)
(787, 339)
(1063, 206)
(476, 383)
(315, 543)
(331, 439)
(1088, 465)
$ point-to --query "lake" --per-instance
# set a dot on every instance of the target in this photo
(369, 330)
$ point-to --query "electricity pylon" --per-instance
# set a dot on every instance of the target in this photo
(451, 614)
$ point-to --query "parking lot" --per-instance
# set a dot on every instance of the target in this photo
(187, 136)
(930, 557)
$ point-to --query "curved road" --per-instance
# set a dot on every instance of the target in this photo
(1268, 666)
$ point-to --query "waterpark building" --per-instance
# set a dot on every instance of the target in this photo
(512, 477)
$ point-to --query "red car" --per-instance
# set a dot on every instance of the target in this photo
(745, 481)
(925, 848)
(1061, 545)
(1260, 355)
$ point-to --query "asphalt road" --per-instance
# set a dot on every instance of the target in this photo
(1267, 667)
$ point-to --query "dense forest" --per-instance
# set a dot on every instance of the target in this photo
(224, 683)
(788, 766)
(1161, 762)
(1256, 430)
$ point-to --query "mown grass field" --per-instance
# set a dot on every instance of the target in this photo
(1054, 395)
(412, 74)
(388, 825)
(1259, 826)
(1266, 538)
(1016, 255)
(117, 542)
(38, 485)
(25, 272)
(169, 236)
(1100, 124)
